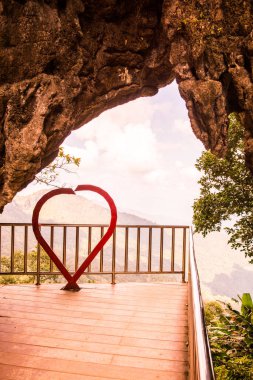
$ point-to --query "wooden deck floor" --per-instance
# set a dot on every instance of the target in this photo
(126, 331)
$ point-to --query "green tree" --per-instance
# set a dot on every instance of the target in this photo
(18, 264)
(226, 192)
(63, 162)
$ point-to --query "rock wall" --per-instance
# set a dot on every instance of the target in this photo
(63, 62)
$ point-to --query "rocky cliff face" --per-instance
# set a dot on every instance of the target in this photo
(63, 62)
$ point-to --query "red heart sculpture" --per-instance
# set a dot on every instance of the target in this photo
(72, 285)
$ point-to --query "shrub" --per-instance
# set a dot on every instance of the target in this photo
(231, 338)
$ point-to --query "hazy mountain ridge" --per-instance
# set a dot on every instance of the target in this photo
(222, 270)
(77, 209)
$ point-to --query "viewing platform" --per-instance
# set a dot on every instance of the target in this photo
(123, 331)
(152, 328)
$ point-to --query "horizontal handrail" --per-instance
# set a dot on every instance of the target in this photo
(96, 225)
(201, 366)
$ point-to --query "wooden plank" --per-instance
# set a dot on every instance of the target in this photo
(91, 337)
(66, 309)
(90, 369)
(50, 314)
(46, 321)
(57, 353)
(154, 343)
(9, 372)
(144, 299)
(106, 348)
(181, 305)
(20, 318)
(179, 311)
(147, 363)
(129, 294)
(170, 299)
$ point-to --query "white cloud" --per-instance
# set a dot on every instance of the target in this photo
(131, 147)
(143, 154)
(157, 176)
(190, 172)
(178, 164)
(182, 126)
(134, 148)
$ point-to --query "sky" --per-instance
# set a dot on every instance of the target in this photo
(143, 154)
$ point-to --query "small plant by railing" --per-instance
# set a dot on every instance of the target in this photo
(231, 338)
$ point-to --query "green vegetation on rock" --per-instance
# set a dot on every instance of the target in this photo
(226, 192)
(63, 162)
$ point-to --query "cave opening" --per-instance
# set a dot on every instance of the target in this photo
(143, 153)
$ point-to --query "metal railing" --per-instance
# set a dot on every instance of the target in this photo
(201, 366)
(132, 250)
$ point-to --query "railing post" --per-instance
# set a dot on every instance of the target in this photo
(161, 249)
(126, 250)
(51, 246)
(101, 261)
(38, 265)
(89, 244)
(172, 249)
(12, 247)
(138, 250)
(25, 248)
(113, 257)
(184, 256)
(149, 249)
(64, 248)
(77, 249)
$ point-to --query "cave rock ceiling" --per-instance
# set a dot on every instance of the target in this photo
(64, 62)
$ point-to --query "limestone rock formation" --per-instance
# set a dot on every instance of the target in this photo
(63, 62)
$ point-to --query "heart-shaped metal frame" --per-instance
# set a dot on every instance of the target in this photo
(72, 285)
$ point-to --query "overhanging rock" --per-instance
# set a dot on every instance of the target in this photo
(63, 62)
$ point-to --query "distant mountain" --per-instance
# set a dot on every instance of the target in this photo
(64, 209)
(223, 271)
